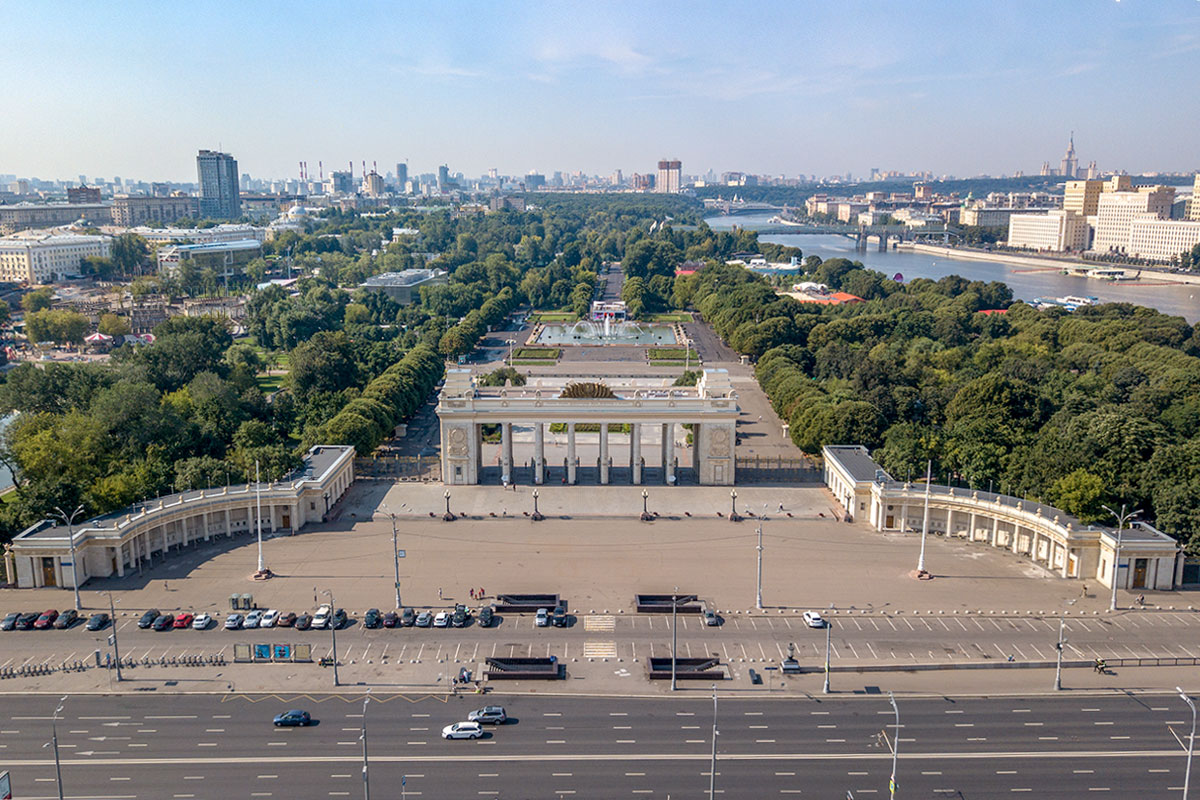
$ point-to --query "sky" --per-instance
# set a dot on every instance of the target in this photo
(966, 87)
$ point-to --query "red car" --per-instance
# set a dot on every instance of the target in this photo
(46, 619)
(184, 620)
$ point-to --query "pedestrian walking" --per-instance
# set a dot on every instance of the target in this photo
(781, 508)
(165, 589)
(439, 593)
(1083, 591)
(481, 591)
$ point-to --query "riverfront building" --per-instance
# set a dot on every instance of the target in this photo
(111, 544)
(1056, 230)
(1116, 211)
(32, 257)
(1047, 536)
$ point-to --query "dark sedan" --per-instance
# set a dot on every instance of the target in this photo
(10, 621)
(408, 617)
(339, 619)
(293, 719)
(372, 619)
(97, 622)
(148, 618)
(303, 622)
(391, 619)
(486, 616)
(46, 620)
(67, 618)
(164, 622)
(25, 621)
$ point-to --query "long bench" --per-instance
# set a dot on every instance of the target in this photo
(512, 669)
(661, 603)
(686, 668)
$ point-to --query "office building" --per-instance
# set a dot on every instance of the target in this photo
(1056, 231)
(1193, 212)
(46, 257)
(82, 194)
(1162, 239)
(372, 185)
(1116, 211)
(225, 257)
(443, 179)
(669, 174)
(130, 211)
(220, 197)
(402, 177)
(340, 183)
(22, 217)
(1083, 196)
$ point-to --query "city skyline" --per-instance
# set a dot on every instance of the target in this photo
(793, 89)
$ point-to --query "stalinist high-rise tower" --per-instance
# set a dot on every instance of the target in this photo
(1070, 164)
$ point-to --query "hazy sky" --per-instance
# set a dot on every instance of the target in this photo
(964, 87)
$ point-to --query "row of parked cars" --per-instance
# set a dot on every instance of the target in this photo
(50, 618)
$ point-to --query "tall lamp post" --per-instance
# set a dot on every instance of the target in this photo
(69, 520)
(395, 553)
(54, 743)
(646, 515)
(925, 523)
(733, 515)
(1187, 774)
(366, 779)
(448, 516)
(1122, 519)
(112, 616)
(674, 634)
(895, 747)
(333, 634)
(758, 599)
(510, 343)
(828, 642)
(1059, 648)
(712, 769)
(537, 515)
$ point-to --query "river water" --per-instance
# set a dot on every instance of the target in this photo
(1026, 282)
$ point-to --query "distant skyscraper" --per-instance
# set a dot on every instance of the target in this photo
(218, 177)
(402, 175)
(669, 173)
(1070, 164)
(443, 178)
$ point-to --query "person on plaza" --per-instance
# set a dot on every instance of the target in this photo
(1083, 591)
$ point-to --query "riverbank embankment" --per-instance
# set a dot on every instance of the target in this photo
(1046, 264)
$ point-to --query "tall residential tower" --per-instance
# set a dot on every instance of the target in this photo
(218, 178)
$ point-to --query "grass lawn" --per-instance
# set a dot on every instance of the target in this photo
(270, 384)
(553, 316)
(660, 353)
(535, 362)
(669, 363)
(673, 316)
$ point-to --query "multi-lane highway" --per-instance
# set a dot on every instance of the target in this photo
(856, 639)
(224, 746)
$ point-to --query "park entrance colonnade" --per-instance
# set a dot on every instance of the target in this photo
(710, 408)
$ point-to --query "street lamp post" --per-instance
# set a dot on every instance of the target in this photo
(925, 523)
(395, 554)
(895, 748)
(1059, 647)
(448, 517)
(828, 641)
(333, 634)
(69, 519)
(537, 515)
(1122, 519)
(646, 515)
(712, 769)
(1187, 774)
(54, 742)
(112, 616)
(674, 633)
(758, 600)
(733, 515)
(510, 343)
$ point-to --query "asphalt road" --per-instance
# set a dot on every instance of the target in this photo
(212, 746)
(870, 638)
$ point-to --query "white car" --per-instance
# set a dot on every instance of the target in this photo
(201, 622)
(321, 618)
(233, 622)
(253, 619)
(442, 620)
(462, 730)
(542, 618)
(813, 620)
(269, 619)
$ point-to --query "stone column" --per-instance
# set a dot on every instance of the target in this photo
(571, 453)
(539, 453)
(971, 533)
(604, 453)
(228, 525)
(120, 561)
(506, 453)
(183, 524)
(635, 452)
(903, 517)
(165, 544)
(995, 531)
(669, 453)
(204, 522)
(696, 448)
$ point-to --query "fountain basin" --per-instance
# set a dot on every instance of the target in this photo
(598, 333)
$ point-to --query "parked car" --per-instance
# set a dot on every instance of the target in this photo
(202, 621)
(45, 620)
(233, 622)
(25, 621)
(559, 617)
(460, 616)
(493, 715)
(253, 619)
(442, 619)
(408, 617)
(148, 618)
(710, 617)
(339, 619)
(97, 622)
(269, 619)
(486, 616)
(67, 618)
(462, 730)
(303, 622)
(286, 620)
(320, 619)
(164, 622)
(293, 719)
(372, 619)
(185, 620)
(813, 620)
(10, 621)
(542, 618)
(424, 619)
(391, 619)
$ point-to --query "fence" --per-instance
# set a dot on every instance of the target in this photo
(776, 469)
(410, 468)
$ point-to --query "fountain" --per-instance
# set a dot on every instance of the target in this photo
(609, 331)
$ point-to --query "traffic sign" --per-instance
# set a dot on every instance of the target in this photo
(399, 554)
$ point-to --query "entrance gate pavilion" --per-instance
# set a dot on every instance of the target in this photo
(710, 407)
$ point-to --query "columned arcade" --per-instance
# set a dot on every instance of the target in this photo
(703, 418)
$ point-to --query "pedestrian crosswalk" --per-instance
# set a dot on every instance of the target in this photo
(599, 649)
(600, 623)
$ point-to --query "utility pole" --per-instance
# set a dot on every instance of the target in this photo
(366, 779)
(395, 553)
(1059, 647)
(1122, 519)
(712, 774)
(828, 637)
(69, 520)
(758, 600)
(112, 619)
(333, 633)
(674, 633)
(895, 748)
